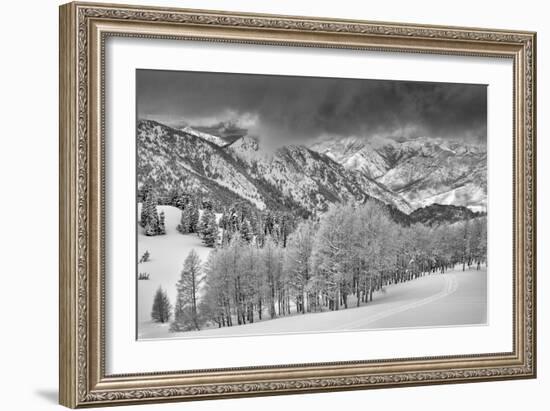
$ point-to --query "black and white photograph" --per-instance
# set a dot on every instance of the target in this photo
(271, 204)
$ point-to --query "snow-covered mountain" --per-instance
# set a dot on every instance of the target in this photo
(220, 142)
(311, 179)
(354, 154)
(173, 159)
(422, 171)
(405, 175)
(292, 177)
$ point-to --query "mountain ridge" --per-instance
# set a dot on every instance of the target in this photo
(293, 178)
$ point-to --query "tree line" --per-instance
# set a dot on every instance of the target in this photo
(268, 266)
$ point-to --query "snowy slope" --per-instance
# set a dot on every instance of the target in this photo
(168, 252)
(453, 298)
(205, 136)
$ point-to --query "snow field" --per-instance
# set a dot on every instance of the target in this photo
(168, 252)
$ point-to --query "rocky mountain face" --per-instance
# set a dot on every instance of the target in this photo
(422, 171)
(291, 178)
(403, 176)
(311, 179)
(170, 159)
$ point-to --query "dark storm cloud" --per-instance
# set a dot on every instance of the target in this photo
(295, 109)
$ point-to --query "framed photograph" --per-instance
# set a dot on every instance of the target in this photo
(259, 204)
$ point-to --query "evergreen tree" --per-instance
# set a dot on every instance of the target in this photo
(150, 219)
(186, 316)
(224, 220)
(259, 231)
(145, 194)
(184, 225)
(161, 307)
(162, 227)
(143, 216)
(207, 204)
(193, 217)
(201, 226)
(181, 200)
(286, 225)
(209, 228)
(246, 231)
(150, 229)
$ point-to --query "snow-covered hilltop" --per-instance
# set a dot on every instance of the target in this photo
(403, 175)
(422, 171)
(220, 142)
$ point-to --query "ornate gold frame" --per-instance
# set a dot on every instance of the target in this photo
(83, 30)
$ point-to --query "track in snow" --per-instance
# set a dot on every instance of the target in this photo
(451, 299)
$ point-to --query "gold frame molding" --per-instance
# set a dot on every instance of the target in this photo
(83, 30)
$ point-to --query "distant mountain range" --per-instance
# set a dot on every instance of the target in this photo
(422, 171)
(227, 165)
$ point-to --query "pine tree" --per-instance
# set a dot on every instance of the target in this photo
(209, 228)
(149, 215)
(162, 227)
(193, 217)
(184, 225)
(246, 231)
(181, 201)
(201, 226)
(150, 230)
(145, 194)
(259, 232)
(143, 217)
(161, 307)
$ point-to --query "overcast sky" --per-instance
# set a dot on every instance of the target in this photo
(294, 110)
